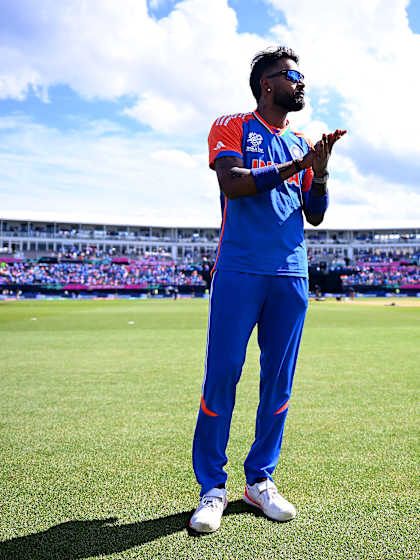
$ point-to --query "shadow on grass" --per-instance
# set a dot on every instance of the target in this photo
(83, 539)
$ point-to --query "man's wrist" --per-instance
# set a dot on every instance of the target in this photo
(298, 165)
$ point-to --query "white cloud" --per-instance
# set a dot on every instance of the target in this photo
(177, 157)
(165, 115)
(88, 175)
(364, 201)
(185, 68)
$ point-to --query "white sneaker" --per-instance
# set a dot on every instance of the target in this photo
(265, 496)
(208, 515)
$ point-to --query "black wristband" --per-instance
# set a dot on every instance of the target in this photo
(321, 180)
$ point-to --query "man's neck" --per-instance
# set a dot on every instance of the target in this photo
(274, 115)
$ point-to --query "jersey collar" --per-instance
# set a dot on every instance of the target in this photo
(272, 129)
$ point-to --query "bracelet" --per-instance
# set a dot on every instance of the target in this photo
(321, 180)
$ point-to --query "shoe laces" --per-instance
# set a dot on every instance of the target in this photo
(272, 492)
(211, 501)
(269, 493)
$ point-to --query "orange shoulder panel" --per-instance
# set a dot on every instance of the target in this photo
(226, 136)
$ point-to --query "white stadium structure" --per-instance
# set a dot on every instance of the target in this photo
(33, 238)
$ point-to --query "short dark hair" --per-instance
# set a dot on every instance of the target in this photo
(264, 60)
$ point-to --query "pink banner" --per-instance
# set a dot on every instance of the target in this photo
(391, 264)
(10, 260)
(104, 287)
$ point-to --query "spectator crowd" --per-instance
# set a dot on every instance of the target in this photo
(149, 272)
(392, 275)
(383, 268)
(95, 269)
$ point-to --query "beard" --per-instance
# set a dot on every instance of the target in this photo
(290, 102)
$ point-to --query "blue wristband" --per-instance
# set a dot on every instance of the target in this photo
(317, 204)
(266, 178)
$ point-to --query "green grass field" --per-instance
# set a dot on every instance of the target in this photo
(97, 418)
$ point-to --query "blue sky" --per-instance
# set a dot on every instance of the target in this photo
(105, 108)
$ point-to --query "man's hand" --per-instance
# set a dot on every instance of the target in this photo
(323, 150)
(308, 159)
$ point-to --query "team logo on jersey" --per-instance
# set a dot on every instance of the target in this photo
(254, 140)
(296, 151)
(219, 146)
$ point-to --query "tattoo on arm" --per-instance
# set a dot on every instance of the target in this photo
(237, 172)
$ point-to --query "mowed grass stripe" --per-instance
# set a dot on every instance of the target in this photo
(98, 408)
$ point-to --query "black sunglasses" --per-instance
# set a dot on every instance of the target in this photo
(290, 75)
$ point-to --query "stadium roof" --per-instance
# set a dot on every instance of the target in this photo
(166, 226)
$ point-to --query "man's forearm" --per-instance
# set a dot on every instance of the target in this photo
(284, 170)
(318, 189)
(245, 182)
(267, 178)
(317, 200)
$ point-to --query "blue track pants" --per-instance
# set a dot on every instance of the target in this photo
(238, 302)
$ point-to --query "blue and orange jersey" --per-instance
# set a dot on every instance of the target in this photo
(262, 234)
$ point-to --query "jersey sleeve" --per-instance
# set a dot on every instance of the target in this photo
(225, 138)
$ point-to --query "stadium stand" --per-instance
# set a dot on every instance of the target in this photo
(137, 274)
(68, 258)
